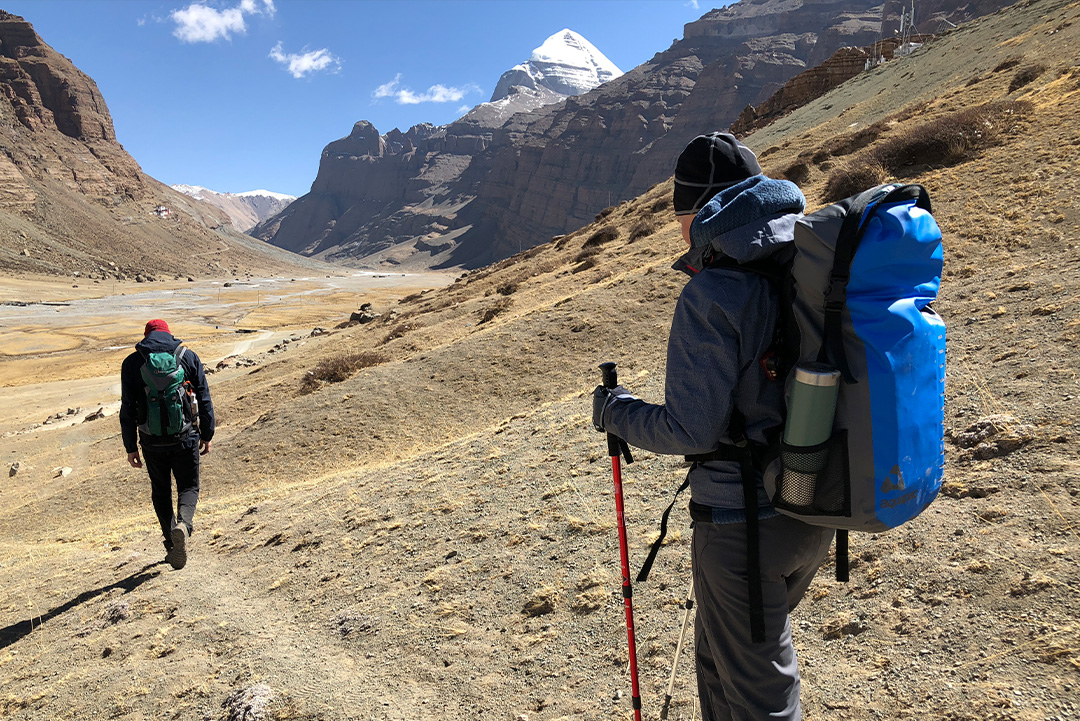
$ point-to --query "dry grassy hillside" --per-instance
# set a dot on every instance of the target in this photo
(434, 536)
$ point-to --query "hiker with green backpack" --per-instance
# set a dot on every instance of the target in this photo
(805, 384)
(165, 405)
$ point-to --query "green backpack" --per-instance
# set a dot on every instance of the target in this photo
(167, 410)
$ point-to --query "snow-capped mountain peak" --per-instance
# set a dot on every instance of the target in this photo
(246, 209)
(566, 63)
(195, 191)
(267, 193)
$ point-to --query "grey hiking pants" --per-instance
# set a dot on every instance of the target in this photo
(739, 680)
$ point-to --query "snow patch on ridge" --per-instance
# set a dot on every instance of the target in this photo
(267, 193)
(198, 192)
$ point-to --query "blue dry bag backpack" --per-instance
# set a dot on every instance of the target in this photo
(864, 274)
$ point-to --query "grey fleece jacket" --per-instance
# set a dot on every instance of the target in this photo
(723, 325)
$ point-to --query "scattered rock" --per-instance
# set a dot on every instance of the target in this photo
(26, 252)
(589, 601)
(116, 611)
(349, 622)
(541, 603)
(845, 624)
(248, 704)
(364, 315)
(14, 468)
(1031, 583)
(235, 361)
(96, 415)
(61, 472)
(317, 331)
(959, 489)
(983, 428)
(993, 436)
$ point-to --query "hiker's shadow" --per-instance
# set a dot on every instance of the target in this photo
(17, 631)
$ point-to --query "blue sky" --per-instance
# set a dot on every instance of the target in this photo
(236, 95)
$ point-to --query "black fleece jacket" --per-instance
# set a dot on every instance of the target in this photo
(133, 397)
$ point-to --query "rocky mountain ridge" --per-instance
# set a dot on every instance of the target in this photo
(467, 194)
(72, 200)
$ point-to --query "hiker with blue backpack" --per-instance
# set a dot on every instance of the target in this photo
(165, 405)
(805, 401)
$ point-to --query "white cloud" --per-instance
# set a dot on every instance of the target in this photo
(301, 64)
(201, 24)
(694, 4)
(435, 94)
(464, 109)
(255, 7)
(198, 23)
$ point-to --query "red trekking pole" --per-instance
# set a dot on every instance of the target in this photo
(616, 448)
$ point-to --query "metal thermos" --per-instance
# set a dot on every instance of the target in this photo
(811, 409)
(812, 405)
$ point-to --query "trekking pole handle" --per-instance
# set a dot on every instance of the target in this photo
(611, 378)
(616, 446)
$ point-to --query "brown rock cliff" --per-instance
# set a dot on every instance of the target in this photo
(73, 200)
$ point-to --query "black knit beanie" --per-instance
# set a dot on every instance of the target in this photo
(707, 165)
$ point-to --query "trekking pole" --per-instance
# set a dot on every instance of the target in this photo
(689, 605)
(616, 448)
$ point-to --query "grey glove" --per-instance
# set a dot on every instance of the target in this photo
(602, 397)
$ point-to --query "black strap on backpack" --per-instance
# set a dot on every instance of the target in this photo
(847, 242)
(747, 455)
(643, 575)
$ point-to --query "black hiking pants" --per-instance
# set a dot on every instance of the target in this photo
(164, 461)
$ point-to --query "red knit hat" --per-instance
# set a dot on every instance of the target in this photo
(155, 325)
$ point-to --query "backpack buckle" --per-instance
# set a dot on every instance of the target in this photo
(770, 364)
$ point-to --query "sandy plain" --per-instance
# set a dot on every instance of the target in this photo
(62, 340)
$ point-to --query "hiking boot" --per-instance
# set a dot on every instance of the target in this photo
(168, 552)
(177, 555)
